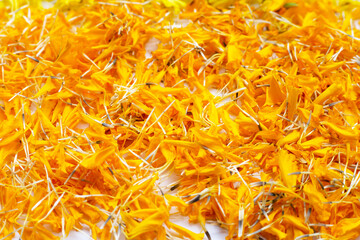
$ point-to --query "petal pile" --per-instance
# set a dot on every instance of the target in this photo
(118, 116)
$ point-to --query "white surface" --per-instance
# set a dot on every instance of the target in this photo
(216, 232)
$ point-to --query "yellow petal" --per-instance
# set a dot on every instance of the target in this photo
(287, 166)
(97, 158)
(331, 91)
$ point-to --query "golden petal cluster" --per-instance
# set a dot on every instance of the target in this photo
(117, 116)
